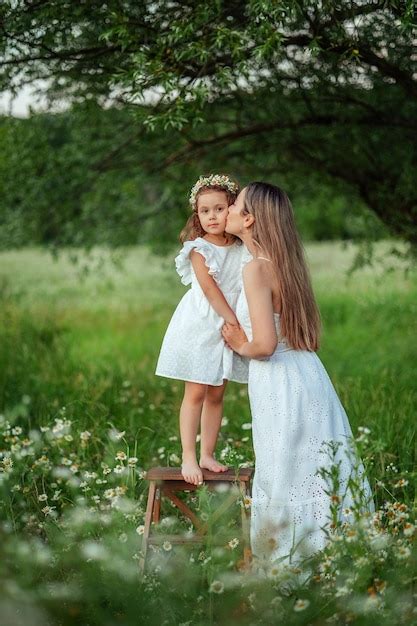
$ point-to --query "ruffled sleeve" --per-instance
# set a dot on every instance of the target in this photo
(183, 262)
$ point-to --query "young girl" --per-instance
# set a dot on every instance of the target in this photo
(193, 349)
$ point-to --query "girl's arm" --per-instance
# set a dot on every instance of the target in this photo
(259, 297)
(212, 292)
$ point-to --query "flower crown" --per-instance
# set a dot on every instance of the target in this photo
(214, 180)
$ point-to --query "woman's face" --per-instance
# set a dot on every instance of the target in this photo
(235, 219)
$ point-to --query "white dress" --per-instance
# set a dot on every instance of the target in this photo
(294, 409)
(193, 348)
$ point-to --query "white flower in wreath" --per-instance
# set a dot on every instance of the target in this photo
(214, 180)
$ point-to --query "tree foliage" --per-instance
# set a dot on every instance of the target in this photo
(319, 86)
(65, 183)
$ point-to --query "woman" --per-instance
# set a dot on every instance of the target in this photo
(293, 402)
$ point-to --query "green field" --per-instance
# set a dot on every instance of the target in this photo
(91, 343)
(83, 347)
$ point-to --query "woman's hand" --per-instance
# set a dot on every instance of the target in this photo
(234, 336)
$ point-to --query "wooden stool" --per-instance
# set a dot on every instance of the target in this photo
(165, 481)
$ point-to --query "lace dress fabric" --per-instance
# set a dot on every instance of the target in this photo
(193, 348)
(294, 409)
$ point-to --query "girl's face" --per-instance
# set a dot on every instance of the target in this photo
(235, 218)
(212, 211)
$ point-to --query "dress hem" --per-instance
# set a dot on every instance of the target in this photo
(200, 382)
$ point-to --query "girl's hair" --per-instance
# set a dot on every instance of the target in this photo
(274, 230)
(193, 228)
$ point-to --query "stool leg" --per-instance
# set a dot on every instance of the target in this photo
(148, 520)
(247, 554)
(157, 506)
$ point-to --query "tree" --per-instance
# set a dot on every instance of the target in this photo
(64, 183)
(324, 86)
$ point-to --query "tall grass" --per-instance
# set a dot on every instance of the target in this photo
(77, 353)
(91, 344)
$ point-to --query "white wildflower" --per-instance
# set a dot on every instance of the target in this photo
(274, 571)
(372, 603)
(380, 541)
(116, 435)
(403, 552)
(401, 483)
(49, 510)
(247, 502)
(89, 475)
(216, 587)
(92, 550)
(342, 591)
(301, 605)
(7, 464)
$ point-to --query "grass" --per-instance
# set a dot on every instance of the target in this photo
(81, 346)
(72, 341)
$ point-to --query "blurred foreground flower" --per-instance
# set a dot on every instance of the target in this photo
(216, 587)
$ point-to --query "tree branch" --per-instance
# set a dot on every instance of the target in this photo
(198, 147)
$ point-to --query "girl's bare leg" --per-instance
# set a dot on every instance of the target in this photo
(211, 418)
(190, 414)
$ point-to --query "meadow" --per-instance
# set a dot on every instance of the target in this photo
(83, 416)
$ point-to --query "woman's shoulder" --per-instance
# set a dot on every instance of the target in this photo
(257, 270)
(255, 266)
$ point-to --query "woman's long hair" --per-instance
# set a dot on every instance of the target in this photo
(274, 230)
(193, 228)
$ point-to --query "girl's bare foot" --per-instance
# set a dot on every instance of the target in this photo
(209, 462)
(191, 472)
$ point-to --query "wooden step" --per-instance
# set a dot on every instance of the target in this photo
(243, 474)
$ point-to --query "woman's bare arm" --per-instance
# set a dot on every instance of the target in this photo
(210, 289)
(259, 296)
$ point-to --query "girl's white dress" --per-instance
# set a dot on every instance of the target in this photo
(193, 348)
(294, 409)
